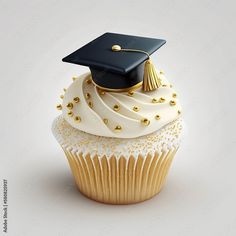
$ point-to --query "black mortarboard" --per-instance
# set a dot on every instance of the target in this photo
(117, 61)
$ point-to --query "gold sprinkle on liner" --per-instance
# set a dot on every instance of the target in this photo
(171, 85)
(74, 78)
(162, 72)
(154, 100)
(61, 96)
(70, 105)
(145, 121)
(161, 100)
(88, 81)
(174, 95)
(157, 117)
(172, 103)
(130, 93)
(59, 107)
(76, 99)
(77, 119)
(116, 107)
(179, 112)
(164, 85)
(90, 104)
(105, 120)
(118, 128)
(135, 108)
(64, 89)
(70, 113)
(87, 95)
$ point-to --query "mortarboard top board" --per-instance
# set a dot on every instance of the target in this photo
(116, 71)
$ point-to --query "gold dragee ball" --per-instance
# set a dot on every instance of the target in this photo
(154, 100)
(116, 107)
(118, 128)
(90, 104)
(157, 117)
(70, 113)
(77, 119)
(116, 48)
(59, 107)
(172, 103)
(88, 81)
(87, 95)
(130, 93)
(145, 121)
(105, 120)
(136, 108)
(70, 105)
(161, 100)
(76, 99)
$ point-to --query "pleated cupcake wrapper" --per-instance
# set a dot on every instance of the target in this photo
(119, 180)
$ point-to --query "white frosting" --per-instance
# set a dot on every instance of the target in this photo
(129, 120)
(76, 141)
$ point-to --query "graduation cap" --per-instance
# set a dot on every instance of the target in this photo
(120, 62)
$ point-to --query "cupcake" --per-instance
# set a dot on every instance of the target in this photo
(121, 124)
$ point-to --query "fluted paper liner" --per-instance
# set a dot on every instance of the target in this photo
(119, 171)
(120, 181)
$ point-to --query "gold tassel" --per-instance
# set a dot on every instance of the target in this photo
(151, 80)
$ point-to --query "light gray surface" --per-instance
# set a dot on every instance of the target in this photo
(199, 59)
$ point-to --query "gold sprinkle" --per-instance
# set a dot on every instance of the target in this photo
(101, 92)
(161, 72)
(76, 99)
(74, 78)
(88, 81)
(171, 85)
(154, 100)
(70, 105)
(135, 108)
(161, 100)
(64, 89)
(77, 119)
(157, 117)
(59, 107)
(105, 120)
(145, 121)
(130, 93)
(70, 113)
(172, 103)
(116, 107)
(62, 96)
(164, 85)
(179, 112)
(118, 128)
(87, 95)
(90, 104)
(174, 95)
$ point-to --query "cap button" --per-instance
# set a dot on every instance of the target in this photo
(116, 48)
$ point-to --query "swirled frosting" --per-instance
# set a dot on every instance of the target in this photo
(121, 115)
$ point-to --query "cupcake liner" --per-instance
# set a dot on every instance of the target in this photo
(119, 171)
(119, 180)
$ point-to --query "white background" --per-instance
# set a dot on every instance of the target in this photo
(199, 59)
